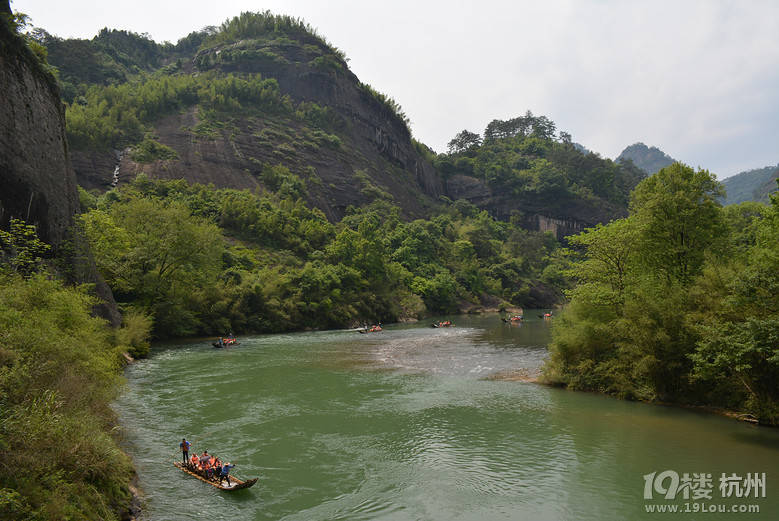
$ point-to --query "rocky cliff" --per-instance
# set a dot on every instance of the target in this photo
(561, 217)
(375, 141)
(37, 180)
(37, 183)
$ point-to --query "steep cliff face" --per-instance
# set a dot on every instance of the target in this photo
(38, 183)
(378, 131)
(562, 217)
(375, 142)
(37, 180)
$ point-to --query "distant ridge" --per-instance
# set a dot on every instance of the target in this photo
(752, 185)
(649, 159)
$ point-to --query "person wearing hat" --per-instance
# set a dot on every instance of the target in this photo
(224, 475)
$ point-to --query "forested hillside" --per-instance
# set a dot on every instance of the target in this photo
(224, 104)
(522, 169)
(753, 185)
(277, 169)
(260, 91)
(677, 302)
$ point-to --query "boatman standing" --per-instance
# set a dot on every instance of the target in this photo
(224, 475)
(184, 446)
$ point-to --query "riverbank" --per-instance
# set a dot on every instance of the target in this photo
(517, 375)
(534, 376)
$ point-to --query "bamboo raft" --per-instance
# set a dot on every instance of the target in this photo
(235, 483)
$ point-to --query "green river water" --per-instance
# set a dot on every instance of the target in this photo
(407, 424)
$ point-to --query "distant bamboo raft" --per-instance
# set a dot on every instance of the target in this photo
(235, 483)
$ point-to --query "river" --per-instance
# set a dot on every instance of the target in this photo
(411, 423)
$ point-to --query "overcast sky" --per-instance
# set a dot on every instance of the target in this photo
(699, 79)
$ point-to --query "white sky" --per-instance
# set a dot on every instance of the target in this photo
(699, 79)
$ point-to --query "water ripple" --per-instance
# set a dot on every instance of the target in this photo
(403, 425)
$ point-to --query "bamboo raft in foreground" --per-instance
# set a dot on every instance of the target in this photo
(235, 483)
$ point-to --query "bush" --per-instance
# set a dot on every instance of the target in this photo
(150, 150)
(135, 332)
(59, 372)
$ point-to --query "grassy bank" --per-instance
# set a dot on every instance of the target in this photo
(59, 371)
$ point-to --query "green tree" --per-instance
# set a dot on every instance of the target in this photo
(626, 330)
(678, 211)
(20, 249)
(154, 254)
(607, 260)
(463, 141)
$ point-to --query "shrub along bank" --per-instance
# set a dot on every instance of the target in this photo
(59, 371)
(678, 302)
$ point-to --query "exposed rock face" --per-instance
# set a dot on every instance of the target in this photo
(375, 141)
(37, 184)
(377, 130)
(37, 180)
(562, 218)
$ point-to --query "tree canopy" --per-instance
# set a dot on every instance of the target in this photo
(677, 302)
(205, 261)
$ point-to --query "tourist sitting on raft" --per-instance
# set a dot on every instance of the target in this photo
(210, 467)
(226, 341)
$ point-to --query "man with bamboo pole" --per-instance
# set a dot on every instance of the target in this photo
(184, 446)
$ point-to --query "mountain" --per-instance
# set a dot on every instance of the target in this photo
(264, 91)
(648, 159)
(263, 102)
(753, 185)
(520, 171)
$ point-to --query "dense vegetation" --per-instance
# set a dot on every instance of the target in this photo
(115, 116)
(59, 371)
(117, 84)
(677, 302)
(752, 185)
(523, 157)
(205, 261)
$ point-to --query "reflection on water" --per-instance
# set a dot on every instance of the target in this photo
(407, 424)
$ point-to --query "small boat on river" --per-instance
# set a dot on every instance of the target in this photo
(442, 324)
(372, 329)
(235, 483)
(224, 342)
